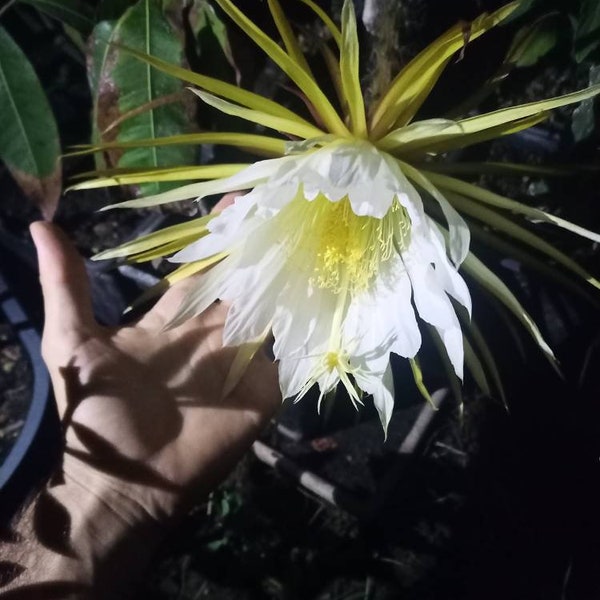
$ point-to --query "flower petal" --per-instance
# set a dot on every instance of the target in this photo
(382, 389)
(258, 281)
(224, 231)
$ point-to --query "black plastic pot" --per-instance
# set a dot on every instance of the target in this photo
(36, 448)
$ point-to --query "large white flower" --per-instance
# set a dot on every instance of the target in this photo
(333, 252)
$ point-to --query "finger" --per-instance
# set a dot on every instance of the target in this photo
(64, 281)
(225, 201)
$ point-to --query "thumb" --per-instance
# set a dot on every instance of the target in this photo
(64, 281)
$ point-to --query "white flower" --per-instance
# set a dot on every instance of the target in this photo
(333, 252)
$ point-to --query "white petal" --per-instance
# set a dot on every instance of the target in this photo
(224, 231)
(448, 275)
(430, 298)
(203, 292)
(302, 329)
(407, 195)
(294, 372)
(253, 308)
(302, 323)
(382, 320)
(408, 334)
(453, 342)
(274, 197)
(382, 389)
(249, 177)
(459, 233)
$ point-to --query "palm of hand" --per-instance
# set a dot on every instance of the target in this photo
(141, 405)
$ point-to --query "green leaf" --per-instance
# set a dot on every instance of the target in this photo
(587, 30)
(104, 96)
(123, 84)
(75, 13)
(29, 143)
(534, 41)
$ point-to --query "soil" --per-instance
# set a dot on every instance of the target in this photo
(496, 504)
(15, 385)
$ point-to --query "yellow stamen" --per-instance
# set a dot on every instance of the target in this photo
(344, 251)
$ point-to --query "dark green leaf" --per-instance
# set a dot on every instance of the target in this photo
(122, 84)
(99, 77)
(111, 10)
(587, 29)
(534, 41)
(75, 13)
(212, 40)
(29, 144)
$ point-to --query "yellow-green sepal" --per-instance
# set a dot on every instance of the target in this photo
(229, 91)
(349, 70)
(135, 176)
(308, 86)
(258, 144)
(413, 84)
(157, 239)
(474, 192)
(497, 288)
(255, 116)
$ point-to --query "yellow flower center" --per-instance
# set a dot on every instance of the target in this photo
(336, 360)
(344, 251)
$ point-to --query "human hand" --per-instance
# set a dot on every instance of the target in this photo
(147, 430)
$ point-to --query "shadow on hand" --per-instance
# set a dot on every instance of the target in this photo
(124, 408)
(104, 457)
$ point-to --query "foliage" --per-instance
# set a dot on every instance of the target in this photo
(130, 101)
(28, 133)
(571, 25)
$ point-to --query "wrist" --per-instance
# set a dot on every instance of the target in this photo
(83, 537)
(113, 533)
